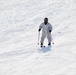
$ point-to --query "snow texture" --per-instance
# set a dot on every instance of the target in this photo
(19, 52)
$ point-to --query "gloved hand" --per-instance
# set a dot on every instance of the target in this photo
(39, 30)
(50, 31)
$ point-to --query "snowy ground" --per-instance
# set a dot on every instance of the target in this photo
(19, 52)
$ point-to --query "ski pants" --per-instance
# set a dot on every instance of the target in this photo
(48, 37)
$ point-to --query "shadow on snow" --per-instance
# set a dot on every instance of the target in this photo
(45, 49)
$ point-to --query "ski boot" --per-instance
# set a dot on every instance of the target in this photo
(49, 44)
(41, 44)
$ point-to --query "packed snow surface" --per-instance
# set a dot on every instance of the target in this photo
(19, 52)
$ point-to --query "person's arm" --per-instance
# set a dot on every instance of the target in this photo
(50, 28)
(40, 27)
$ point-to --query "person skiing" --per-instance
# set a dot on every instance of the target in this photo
(46, 28)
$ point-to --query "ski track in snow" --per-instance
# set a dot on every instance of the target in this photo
(19, 52)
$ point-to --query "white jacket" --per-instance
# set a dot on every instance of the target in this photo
(45, 29)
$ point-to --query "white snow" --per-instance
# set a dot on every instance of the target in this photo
(19, 52)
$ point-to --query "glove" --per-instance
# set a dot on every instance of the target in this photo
(39, 30)
(50, 31)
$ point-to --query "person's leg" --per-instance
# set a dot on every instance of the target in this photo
(49, 39)
(42, 39)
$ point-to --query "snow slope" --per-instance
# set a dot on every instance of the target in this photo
(19, 52)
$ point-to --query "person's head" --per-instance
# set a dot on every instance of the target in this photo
(45, 20)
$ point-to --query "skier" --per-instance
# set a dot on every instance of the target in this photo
(46, 31)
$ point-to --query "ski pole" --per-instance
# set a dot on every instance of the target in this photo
(38, 37)
(52, 41)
